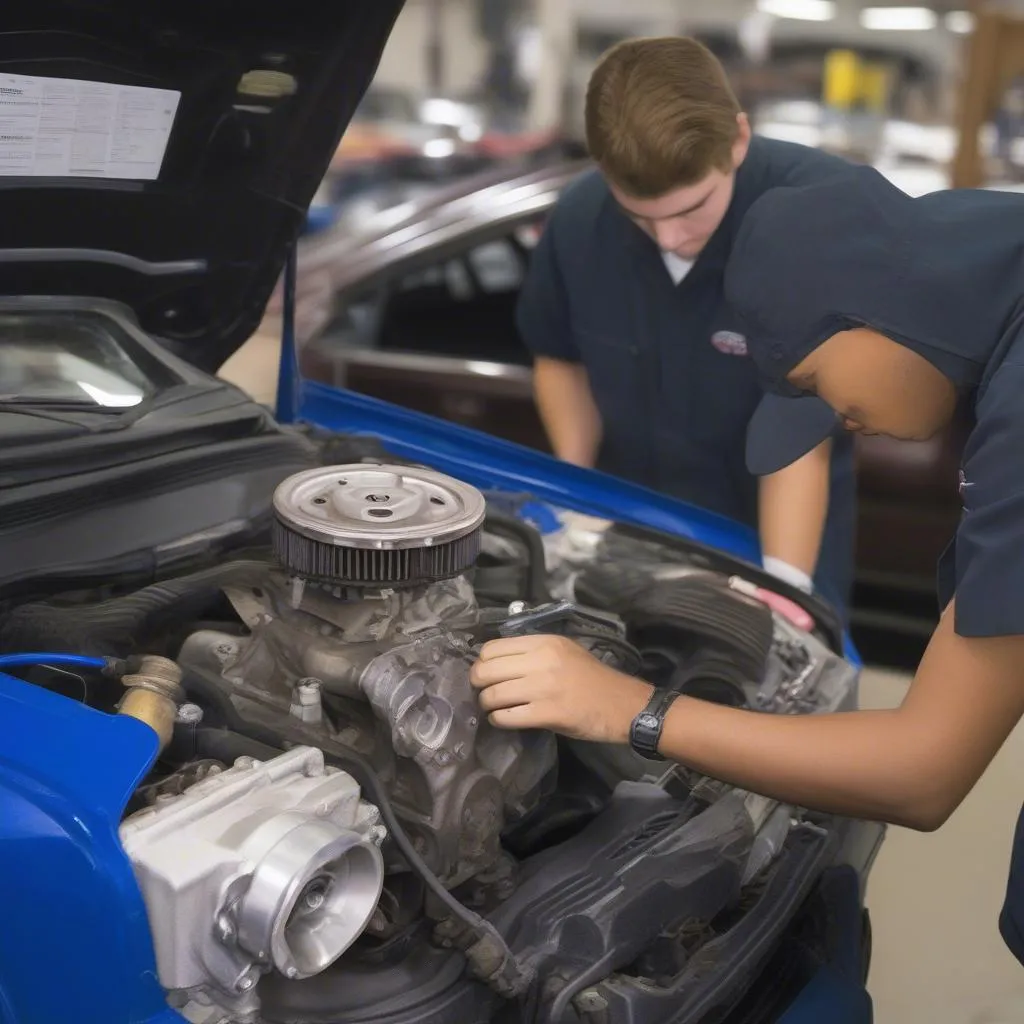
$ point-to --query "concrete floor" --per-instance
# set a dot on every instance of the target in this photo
(934, 899)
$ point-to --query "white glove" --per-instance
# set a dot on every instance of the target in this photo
(788, 573)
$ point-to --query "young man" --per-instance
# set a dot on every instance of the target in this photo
(640, 367)
(861, 303)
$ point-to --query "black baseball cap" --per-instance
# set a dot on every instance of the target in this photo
(940, 274)
(799, 263)
(783, 430)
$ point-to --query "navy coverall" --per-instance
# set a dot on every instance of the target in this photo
(667, 362)
(942, 274)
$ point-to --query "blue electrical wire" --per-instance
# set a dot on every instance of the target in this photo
(62, 660)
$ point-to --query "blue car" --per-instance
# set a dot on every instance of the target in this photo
(243, 777)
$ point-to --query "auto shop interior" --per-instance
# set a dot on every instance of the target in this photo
(356, 472)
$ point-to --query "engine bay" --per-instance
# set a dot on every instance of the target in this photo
(334, 833)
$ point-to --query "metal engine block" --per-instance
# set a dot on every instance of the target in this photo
(384, 669)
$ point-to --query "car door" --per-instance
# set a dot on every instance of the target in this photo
(439, 336)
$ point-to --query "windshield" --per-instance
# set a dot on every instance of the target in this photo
(68, 359)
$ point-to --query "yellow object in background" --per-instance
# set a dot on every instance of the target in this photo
(874, 87)
(841, 79)
(850, 83)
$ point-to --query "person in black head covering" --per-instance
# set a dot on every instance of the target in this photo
(864, 304)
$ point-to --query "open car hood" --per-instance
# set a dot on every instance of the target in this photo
(164, 154)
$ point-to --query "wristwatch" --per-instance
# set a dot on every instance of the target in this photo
(645, 732)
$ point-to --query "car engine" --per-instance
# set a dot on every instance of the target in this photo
(333, 831)
(364, 634)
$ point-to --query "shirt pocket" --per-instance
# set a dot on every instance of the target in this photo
(614, 366)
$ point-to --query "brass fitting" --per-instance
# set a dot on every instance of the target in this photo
(154, 693)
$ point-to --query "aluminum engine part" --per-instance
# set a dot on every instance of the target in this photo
(454, 778)
(377, 525)
(266, 866)
(475, 778)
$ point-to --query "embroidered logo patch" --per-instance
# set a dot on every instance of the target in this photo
(729, 342)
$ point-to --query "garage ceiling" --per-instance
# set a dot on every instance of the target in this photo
(845, 24)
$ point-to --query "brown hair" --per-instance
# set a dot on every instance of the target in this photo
(660, 114)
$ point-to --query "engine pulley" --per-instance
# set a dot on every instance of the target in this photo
(369, 525)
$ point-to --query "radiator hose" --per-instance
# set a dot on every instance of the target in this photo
(120, 624)
(704, 608)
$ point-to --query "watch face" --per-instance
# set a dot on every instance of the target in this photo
(649, 721)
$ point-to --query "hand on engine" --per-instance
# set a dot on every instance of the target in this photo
(550, 682)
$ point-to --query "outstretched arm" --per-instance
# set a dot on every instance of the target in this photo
(567, 410)
(792, 507)
(911, 766)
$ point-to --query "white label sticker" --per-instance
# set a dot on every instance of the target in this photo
(64, 128)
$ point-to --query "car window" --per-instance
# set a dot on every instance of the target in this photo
(461, 306)
(491, 267)
(68, 358)
(497, 266)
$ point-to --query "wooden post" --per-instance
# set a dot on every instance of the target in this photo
(995, 55)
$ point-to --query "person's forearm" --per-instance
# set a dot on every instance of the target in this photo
(858, 764)
(793, 505)
(567, 410)
(912, 766)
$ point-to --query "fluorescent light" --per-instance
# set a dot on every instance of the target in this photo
(438, 148)
(447, 112)
(799, 10)
(898, 19)
(960, 22)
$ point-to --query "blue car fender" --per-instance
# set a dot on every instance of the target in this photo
(76, 944)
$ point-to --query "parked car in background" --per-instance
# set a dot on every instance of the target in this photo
(398, 149)
(418, 309)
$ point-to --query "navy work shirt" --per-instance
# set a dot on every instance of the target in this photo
(942, 274)
(667, 363)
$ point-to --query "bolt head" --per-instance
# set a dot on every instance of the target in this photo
(189, 714)
(591, 1001)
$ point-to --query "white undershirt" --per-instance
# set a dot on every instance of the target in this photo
(677, 267)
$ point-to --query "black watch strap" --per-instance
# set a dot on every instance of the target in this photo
(645, 732)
